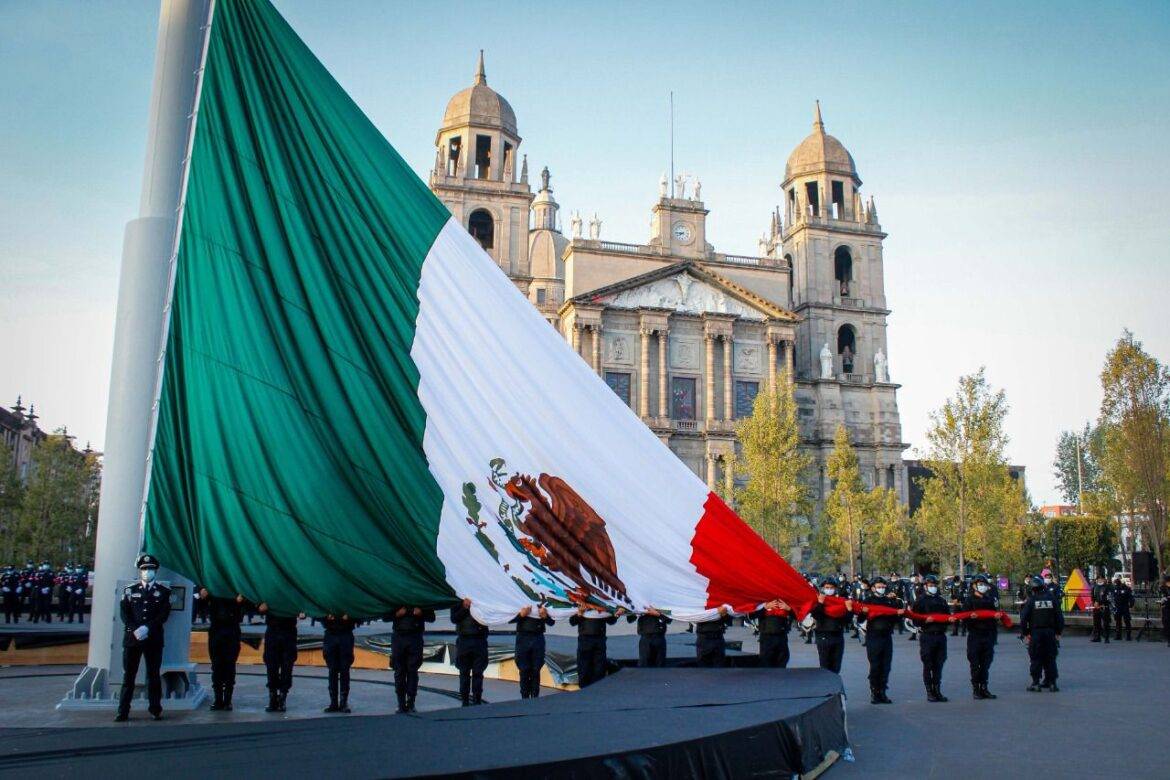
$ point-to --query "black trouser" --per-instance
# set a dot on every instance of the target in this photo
(131, 656)
(1042, 650)
(774, 650)
(529, 660)
(590, 659)
(338, 651)
(831, 649)
(879, 649)
(280, 654)
(406, 652)
(1101, 623)
(77, 607)
(652, 650)
(1124, 616)
(223, 647)
(980, 654)
(959, 627)
(11, 608)
(710, 650)
(63, 597)
(1166, 623)
(932, 649)
(471, 658)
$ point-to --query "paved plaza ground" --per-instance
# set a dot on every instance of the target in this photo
(1110, 719)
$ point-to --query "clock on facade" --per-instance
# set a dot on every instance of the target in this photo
(682, 232)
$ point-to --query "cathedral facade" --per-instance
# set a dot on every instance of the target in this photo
(684, 334)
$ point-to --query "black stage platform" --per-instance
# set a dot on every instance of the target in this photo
(664, 723)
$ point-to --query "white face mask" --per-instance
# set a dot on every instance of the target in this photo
(146, 575)
(932, 589)
(1047, 580)
(879, 591)
(830, 591)
(981, 588)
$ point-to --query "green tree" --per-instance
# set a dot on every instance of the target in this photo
(1085, 540)
(1135, 456)
(1076, 480)
(970, 504)
(55, 519)
(774, 497)
(856, 516)
(11, 499)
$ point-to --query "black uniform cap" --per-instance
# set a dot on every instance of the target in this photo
(878, 580)
(930, 578)
(980, 578)
(829, 581)
(147, 561)
(1037, 582)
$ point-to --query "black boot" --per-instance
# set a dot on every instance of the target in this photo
(938, 694)
(875, 695)
(402, 708)
(343, 706)
(986, 693)
(883, 698)
(1053, 687)
(218, 703)
(273, 702)
(410, 703)
(976, 691)
(1034, 687)
(281, 698)
(227, 696)
(930, 694)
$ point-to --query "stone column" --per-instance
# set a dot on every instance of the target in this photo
(663, 409)
(597, 348)
(644, 376)
(576, 336)
(709, 342)
(728, 390)
(789, 352)
(772, 364)
(710, 471)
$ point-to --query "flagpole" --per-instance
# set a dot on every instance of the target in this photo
(143, 299)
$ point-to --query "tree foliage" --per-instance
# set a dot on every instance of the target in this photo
(1135, 423)
(58, 507)
(972, 509)
(855, 516)
(1073, 486)
(774, 497)
(11, 499)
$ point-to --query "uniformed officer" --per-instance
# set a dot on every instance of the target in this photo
(956, 592)
(774, 620)
(932, 644)
(651, 637)
(63, 586)
(1123, 602)
(406, 651)
(10, 590)
(337, 647)
(914, 591)
(710, 646)
(982, 634)
(280, 655)
(830, 630)
(530, 648)
(879, 640)
(43, 593)
(1164, 599)
(591, 623)
(859, 592)
(1041, 624)
(1055, 591)
(78, 585)
(1102, 598)
(471, 653)
(223, 644)
(145, 607)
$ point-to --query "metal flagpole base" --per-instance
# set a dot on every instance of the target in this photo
(91, 690)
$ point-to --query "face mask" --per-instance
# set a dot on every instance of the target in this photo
(879, 591)
(981, 588)
(931, 589)
(146, 575)
(830, 591)
(1047, 580)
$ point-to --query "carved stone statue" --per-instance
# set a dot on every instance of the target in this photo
(662, 186)
(881, 369)
(575, 224)
(595, 227)
(826, 362)
(544, 178)
(698, 190)
(680, 186)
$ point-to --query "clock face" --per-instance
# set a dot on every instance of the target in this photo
(682, 232)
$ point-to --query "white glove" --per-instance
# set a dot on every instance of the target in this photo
(141, 632)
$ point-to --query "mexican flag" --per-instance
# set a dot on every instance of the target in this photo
(358, 410)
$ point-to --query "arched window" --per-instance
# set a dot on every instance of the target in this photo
(843, 269)
(847, 347)
(482, 227)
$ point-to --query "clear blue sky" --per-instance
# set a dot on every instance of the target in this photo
(1018, 156)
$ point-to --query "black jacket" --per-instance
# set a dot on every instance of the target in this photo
(533, 624)
(410, 623)
(280, 624)
(465, 622)
(1102, 596)
(144, 605)
(713, 627)
(881, 624)
(985, 601)
(591, 626)
(225, 614)
(1041, 612)
(1123, 600)
(772, 623)
(649, 625)
(827, 624)
(931, 605)
(338, 625)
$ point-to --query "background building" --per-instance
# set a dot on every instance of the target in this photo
(685, 334)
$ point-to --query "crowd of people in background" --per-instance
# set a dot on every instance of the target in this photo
(40, 591)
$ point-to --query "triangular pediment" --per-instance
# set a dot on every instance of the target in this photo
(687, 288)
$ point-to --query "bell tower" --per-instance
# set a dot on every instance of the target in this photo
(480, 176)
(832, 240)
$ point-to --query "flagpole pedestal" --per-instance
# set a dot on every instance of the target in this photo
(142, 301)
